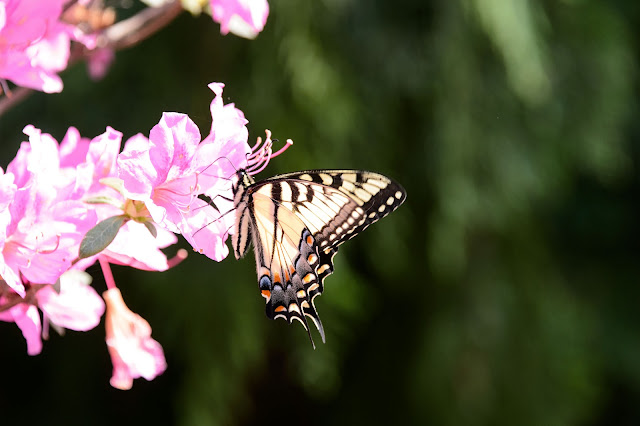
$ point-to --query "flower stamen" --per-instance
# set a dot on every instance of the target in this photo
(49, 251)
(260, 156)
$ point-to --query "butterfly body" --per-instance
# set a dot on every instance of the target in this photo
(296, 222)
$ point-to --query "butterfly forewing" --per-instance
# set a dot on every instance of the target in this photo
(370, 197)
(297, 221)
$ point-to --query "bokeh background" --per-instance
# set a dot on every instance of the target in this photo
(505, 291)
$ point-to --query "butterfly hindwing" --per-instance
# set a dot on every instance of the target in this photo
(296, 222)
(287, 259)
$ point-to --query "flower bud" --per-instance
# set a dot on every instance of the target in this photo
(133, 352)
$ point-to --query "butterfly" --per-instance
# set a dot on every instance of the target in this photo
(296, 222)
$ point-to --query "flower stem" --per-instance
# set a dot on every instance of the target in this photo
(106, 271)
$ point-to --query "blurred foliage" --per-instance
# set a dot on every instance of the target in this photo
(505, 290)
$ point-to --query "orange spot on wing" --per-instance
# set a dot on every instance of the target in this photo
(301, 294)
(280, 309)
(309, 240)
(308, 278)
(276, 278)
(312, 258)
(266, 294)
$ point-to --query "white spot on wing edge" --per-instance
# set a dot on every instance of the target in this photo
(348, 185)
(326, 179)
(362, 194)
(371, 188)
(379, 183)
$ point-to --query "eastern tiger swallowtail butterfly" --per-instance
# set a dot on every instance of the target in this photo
(296, 222)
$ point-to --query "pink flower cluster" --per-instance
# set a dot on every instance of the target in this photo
(36, 36)
(35, 43)
(65, 206)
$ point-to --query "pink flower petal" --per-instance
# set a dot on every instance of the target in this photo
(35, 44)
(46, 228)
(245, 18)
(135, 168)
(73, 148)
(174, 141)
(206, 232)
(77, 306)
(99, 63)
(224, 151)
(135, 246)
(27, 319)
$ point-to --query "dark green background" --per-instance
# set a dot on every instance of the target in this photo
(504, 292)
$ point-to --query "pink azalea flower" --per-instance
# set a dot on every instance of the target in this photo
(44, 233)
(245, 18)
(44, 216)
(77, 306)
(92, 161)
(34, 45)
(159, 170)
(172, 168)
(133, 352)
(166, 173)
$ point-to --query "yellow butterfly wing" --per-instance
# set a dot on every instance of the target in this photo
(296, 223)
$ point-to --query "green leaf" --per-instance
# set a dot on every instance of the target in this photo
(103, 199)
(100, 236)
(113, 183)
(152, 228)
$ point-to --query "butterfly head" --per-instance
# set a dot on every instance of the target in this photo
(244, 179)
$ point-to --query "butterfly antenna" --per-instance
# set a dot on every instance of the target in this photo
(214, 221)
(218, 159)
(226, 233)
